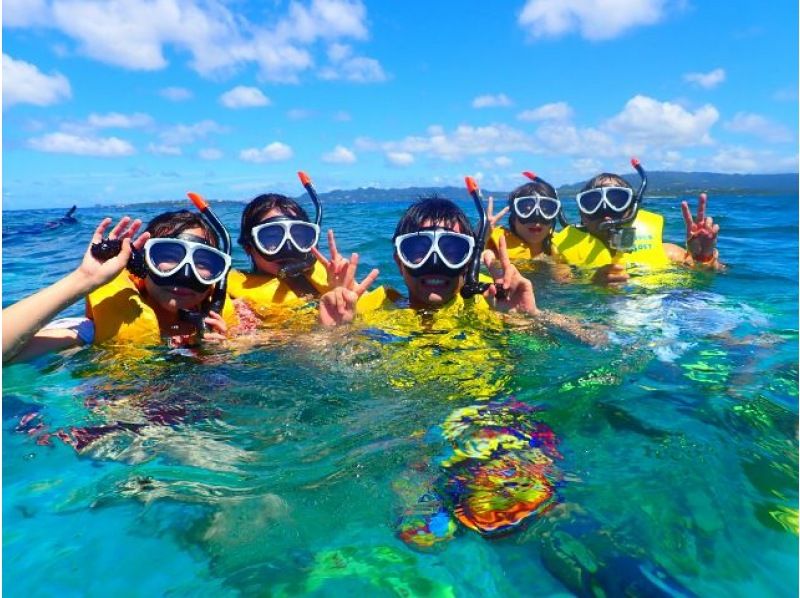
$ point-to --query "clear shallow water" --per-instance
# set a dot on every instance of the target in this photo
(282, 469)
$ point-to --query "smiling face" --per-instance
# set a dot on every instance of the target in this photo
(173, 298)
(533, 233)
(262, 264)
(431, 290)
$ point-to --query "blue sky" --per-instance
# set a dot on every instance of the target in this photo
(112, 101)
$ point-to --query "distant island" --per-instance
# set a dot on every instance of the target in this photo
(660, 183)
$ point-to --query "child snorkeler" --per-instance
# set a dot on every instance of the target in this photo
(615, 233)
(281, 241)
(178, 271)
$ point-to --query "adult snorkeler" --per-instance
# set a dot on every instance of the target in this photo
(616, 234)
(174, 268)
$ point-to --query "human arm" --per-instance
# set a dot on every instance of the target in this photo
(23, 336)
(338, 306)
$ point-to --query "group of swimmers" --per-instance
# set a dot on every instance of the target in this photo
(174, 281)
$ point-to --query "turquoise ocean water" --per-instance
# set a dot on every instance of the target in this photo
(282, 467)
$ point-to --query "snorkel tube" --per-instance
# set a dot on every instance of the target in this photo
(217, 301)
(471, 285)
(307, 263)
(621, 237)
(533, 177)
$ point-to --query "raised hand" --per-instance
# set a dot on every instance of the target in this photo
(492, 218)
(701, 234)
(97, 272)
(338, 306)
(217, 328)
(336, 266)
(519, 295)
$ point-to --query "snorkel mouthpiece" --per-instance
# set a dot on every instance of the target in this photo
(622, 237)
(298, 267)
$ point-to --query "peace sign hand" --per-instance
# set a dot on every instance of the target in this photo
(701, 234)
(519, 295)
(336, 267)
(97, 272)
(491, 218)
(338, 306)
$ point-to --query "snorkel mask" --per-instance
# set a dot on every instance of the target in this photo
(537, 208)
(293, 253)
(616, 200)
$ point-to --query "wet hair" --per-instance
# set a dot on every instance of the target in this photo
(258, 207)
(172, 224)
(606, 179)
(432, 209)
(537, 187)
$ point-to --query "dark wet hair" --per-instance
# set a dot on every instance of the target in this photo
(537, 187)
(171, 224)
(606, 179)
(433, 209)
(258, 207)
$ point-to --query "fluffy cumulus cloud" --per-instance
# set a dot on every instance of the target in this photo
(339, 155)
(274, 152)
(736, 159)
(592, 19)
(23, 83)
(66, 143)
(176, 94)
(135, 34)
(553, 111)
(184, 134)
(115, 120)
(244, 97)
(499, 100)
(356, 69)
(210, 153)
(400, 158)
(759, 126)
(706, 80)
(646, 120)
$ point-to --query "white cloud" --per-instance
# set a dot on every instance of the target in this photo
(299, 113)
(553, 111)
(210, 153)
(176, 94)
(244, 97)
(464, 140)
(738, 159)
(499, 100)
(183, 134)
(65, 143)
(339, 155)
(503, 161)
(706, 80)
(592, 19)
(400, 158)
(137, 35)
(356, 69)
(760, 126)
(115, 120)
(560, 138)
(274, 152)
(646, 120)
(785, 94)
(164, 150)
(23, 83)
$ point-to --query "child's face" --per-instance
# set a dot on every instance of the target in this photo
(593, 224)
(264, 265)
(432, 290)
(533, 233)
(173, 298)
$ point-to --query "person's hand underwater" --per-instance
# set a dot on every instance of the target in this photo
(519, 295)
(97, 273)
(611, 274)
(338, 306)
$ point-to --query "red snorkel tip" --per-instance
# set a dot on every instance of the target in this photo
(197, 200)
(634, 162)
(304, 178)
(531, 175)
(472, 185)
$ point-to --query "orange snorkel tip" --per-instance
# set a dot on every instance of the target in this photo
(472, 185)
(528, 174)
(198, 201)
(304, 178)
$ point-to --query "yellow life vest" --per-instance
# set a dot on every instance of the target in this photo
(458, 348)
(518, 250)
(120, 313)
(582, 249)
(263, 293)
